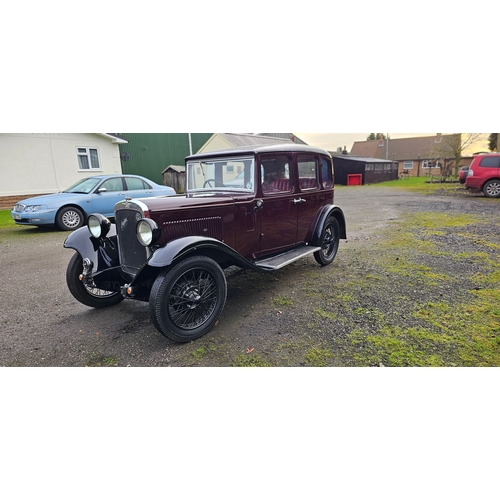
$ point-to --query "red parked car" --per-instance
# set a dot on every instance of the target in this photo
(259, 208)
(484, 175)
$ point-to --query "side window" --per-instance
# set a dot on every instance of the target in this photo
(326, 173)
(133, 184)
(308, 172)
(112, 185)
(275, 175)
(490, 161)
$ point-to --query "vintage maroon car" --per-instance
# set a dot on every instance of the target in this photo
(257, 208)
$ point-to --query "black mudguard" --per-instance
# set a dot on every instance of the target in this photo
(326, 211)
(102, 252)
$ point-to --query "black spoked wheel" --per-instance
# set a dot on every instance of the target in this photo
(69, 219)
(187, 299)
(88, 294)
(329, 242)
(492, 189)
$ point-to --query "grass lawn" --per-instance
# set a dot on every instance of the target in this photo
(6, 219)
(421, 185)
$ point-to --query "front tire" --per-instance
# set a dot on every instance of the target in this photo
(492, 189)
(187, 299)
(90, 296)
(329, 241)
(69, 219)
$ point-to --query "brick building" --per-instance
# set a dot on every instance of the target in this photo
(416, 156)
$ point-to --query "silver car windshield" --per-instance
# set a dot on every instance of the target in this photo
(226, 174)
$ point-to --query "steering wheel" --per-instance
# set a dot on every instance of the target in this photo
(212, 183)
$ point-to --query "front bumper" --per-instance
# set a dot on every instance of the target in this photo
(39, 218)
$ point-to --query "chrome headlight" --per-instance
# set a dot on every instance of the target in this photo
(98, 225)
(148, 232)
(32, 208)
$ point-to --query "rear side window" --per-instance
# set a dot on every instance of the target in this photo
(308, 172)
(326, 173)
(490, 161)
(133, 184)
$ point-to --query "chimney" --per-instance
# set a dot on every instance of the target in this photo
(438, 138)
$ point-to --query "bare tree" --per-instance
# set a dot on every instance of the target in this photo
(451, 149)
(493, 142)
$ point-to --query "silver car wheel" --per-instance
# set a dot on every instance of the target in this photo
(492, 189)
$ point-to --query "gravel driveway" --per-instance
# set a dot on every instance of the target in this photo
(370, 307)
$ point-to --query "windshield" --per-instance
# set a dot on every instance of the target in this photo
(221, 175)
(84, 186)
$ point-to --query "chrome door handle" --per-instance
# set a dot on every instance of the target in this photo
(298, 200)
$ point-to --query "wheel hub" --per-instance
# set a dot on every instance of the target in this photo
(192, 295)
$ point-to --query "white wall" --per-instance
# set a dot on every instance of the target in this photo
(48, 163)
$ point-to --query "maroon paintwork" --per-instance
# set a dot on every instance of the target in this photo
(280, 224)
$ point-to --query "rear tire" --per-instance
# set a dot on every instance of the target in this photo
(329, 241)
(187, 299)
(88, 295)
(492, 188)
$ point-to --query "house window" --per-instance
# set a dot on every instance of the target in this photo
(407, 165)
(88, 159)
(430, 164)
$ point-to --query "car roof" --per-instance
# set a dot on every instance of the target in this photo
(109, 176)
(274, 148)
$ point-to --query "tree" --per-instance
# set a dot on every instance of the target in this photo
(451, 149)
(493, 142)
(375, 137)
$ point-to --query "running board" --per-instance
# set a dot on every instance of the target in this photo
(286, 258)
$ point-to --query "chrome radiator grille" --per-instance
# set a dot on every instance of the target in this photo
(132, 254)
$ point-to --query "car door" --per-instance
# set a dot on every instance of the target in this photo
(311, 198)
(109, 192)
(278, 214)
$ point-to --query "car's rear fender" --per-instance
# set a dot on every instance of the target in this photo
(324, 213)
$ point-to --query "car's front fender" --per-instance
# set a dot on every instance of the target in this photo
(102, 252)
(177, 249)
